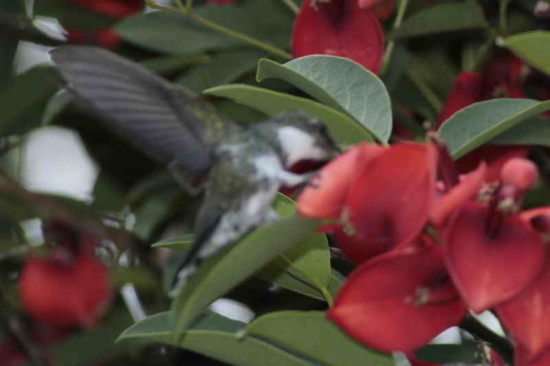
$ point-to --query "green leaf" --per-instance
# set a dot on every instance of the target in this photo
(223, 68)
(312, 335)
(450, 353)
(535, 131)
(216, 337)
(178, 242)
(342, 128)
(340, 83)
(169, 64)
(303, 268)
(478, 123)
(56, 105)
(441, 18)
(176, 34)
(533, 47)
(221, 272)
(25, 97)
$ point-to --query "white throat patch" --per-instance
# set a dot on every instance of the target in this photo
(298, 145)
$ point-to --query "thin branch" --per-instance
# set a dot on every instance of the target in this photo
(496, 342)
(292, 6)
(391, 44)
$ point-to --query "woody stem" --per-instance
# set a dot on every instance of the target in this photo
(496, 342)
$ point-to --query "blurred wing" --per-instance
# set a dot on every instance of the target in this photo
(141, 107)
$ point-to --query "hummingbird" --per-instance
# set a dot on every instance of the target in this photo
(239, 167)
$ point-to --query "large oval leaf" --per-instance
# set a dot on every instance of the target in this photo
(216, 337)
(342, 128)
(176, 34)
(312, 335)
(480, 122)
(341, 84)
(442, 18)
(535, 131)
(221, 272)
(533, 47)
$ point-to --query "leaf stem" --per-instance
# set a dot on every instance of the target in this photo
(181, 9)
(426, 91)
(391, 44)
(500, 344)
(292, 6)
(502, 16)
(311, 280)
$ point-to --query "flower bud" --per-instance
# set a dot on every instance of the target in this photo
(519, 173)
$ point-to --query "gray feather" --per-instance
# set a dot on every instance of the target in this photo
(139, 105)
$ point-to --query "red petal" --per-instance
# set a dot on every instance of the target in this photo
(339, 28)
(399, 301)
(526, 315)
(325, 195)
(113, 8)
(481, 266)
(467, 189)
(390, 201)
(65, 296)
(358, 248)
(466, 90)
(521, 358)
(382, 8)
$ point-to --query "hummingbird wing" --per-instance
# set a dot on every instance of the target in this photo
(141, 107)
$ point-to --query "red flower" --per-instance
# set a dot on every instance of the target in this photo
(467, 89)
(112, 8)
(384, 196)
(65, 294)
(398, 301)
(382, 8)
(339, 28)
(479, 258)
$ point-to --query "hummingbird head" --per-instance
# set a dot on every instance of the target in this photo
(301, 137)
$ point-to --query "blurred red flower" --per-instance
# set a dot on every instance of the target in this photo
(339, 28)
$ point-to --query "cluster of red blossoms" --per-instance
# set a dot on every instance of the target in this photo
(112, 8)
(69, 287)
(429, 245)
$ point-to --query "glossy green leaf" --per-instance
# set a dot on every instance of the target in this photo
(216, 337)
(340, 83)
(467, 352)
(24, 97)
(533, 47)
(479, 123)
(535, 131)
(178, 242)
(442, 18)
(168, 64)
(221, 272)
(56, 105)
(303, 268)
(176, 34)
(312, 335)
(342, 127)
(222, 68)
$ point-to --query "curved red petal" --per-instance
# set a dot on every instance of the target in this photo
(468, 188)
(481, 266)
(339, 28)
(494, 156)
(389, 202)
(399, 301)
(325, 195)
(526, 315)
(358, 248)
(521, 358)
